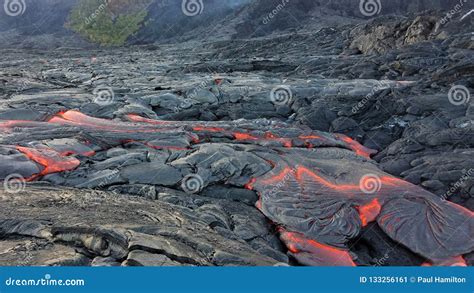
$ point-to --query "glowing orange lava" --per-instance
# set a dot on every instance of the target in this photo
(279, 177)
(369, 212)
(355, 146)
(138, 118)
(244, 136)
(51, 160)
(250, 184)
(310, 137)
(302, 171)
(297, 243)
(208, 129)
(68, 153)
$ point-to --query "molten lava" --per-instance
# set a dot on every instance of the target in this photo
(52, 161)
(369, 212)
(249, 136)
(311, 186)
(244, 136)
(138, 118)
(208, 129)
(325, 254)
(250, 184)
(356, 147)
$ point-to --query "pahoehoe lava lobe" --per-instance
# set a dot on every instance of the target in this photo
(318, 190)
(340, 139)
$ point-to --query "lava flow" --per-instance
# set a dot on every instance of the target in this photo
(319, 197)
(52, 161)
(369, 212)
(310, 140)
(311, 251)
(357, 147)
(332, 212)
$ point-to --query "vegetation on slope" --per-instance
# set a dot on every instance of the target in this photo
(108, 22)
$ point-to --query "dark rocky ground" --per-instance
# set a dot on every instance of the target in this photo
(113, 192)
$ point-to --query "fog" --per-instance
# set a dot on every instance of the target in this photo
(166, 21)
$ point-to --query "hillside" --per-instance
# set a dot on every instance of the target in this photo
(82, 23)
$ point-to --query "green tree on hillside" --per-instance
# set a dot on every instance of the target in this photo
(108, 22)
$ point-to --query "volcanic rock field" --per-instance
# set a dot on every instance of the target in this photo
(348, 145)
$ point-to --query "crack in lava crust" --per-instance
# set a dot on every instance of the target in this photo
(308, 181)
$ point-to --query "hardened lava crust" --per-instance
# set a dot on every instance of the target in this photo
(345, 145)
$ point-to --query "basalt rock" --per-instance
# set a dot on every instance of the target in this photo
(219, 153)
(320, 189)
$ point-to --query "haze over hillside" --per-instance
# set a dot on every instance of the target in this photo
(118, 22)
